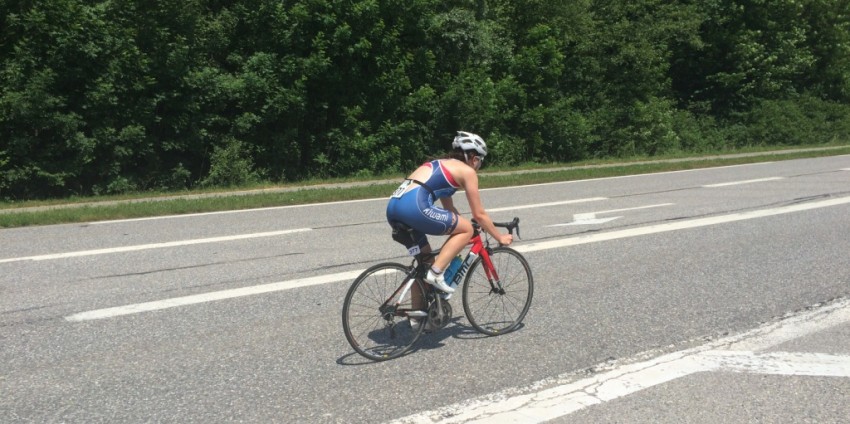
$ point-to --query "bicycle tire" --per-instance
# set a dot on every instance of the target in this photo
(375, 335)
(493, 313)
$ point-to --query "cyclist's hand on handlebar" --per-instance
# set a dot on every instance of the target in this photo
(505, 239)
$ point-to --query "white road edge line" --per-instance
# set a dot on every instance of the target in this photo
(227, 212)
(732, 183)
(154, 246)
(571, 241)
(273, 208)
(384, 198)
(627, 176)
(566, 395)
(779, 363)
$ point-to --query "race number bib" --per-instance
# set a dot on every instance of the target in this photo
(401, 189)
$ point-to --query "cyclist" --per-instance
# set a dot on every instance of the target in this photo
(412, 204)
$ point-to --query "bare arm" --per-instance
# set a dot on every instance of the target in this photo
(478, 212)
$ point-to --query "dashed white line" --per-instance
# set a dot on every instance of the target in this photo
(733, 183)
(231, 238)
(571, 241)
(153, 246)
(209, 297)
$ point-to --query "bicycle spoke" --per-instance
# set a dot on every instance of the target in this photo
(497, 312)
(364, 321)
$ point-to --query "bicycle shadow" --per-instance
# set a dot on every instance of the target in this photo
(457, 328)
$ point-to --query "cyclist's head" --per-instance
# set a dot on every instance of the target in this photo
(470, 143)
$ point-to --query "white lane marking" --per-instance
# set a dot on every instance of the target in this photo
(237, 237)
(540, 205)
(566, 395)
(636, 208)
(210, 297)
(590, 218)
(572, 241)
(732, 183)
(153, 246)
(680, 225)
(780, 363)
(586, 219)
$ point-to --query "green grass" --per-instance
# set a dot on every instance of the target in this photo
(141, 205)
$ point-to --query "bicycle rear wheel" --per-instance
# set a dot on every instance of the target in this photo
(498, 307)
(374, 324)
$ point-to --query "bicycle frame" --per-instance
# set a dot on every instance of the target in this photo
(389, 310)
(424, 308)
(479, 248)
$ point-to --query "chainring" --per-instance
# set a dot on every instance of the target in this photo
(434, 320)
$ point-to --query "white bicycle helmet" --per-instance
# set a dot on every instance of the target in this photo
(469, 141)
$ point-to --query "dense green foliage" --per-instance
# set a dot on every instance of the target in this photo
(123, 95)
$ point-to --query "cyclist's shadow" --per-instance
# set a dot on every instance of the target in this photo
(458, 328)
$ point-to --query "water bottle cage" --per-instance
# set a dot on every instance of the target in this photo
(450, 273)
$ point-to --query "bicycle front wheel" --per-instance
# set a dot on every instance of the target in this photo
(496, 303)
(374, 314)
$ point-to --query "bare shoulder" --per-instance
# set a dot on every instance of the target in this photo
(421, 173)
(460, 171)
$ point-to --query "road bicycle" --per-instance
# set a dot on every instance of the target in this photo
(389, 305)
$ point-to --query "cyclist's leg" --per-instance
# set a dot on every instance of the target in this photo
(416, 296)
(458, 239)
(412, 239)
(426, 218)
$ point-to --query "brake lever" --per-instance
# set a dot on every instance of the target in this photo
(514, 225)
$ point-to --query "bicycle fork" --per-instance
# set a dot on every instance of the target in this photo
(492, 276)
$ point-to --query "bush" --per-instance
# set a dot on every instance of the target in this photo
(231, 165)
(505, 149)
(807, 120)
(697, 134)
(179, 179)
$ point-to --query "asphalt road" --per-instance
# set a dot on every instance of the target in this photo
(235, 316)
